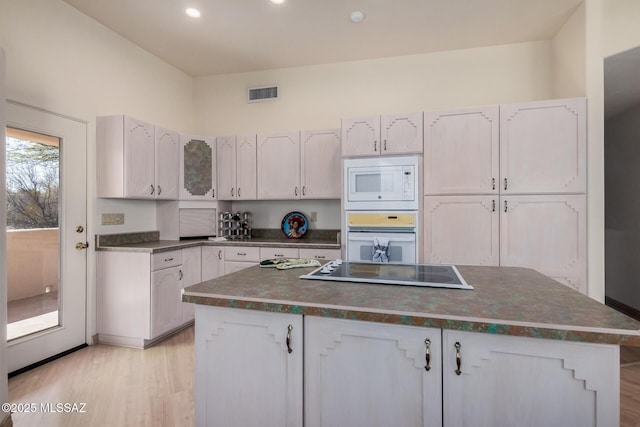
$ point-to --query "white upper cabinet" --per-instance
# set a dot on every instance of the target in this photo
(236, 160)
(125, 157)
(197, 168)
(461, 151)
(382, 135)
(320, 164)
(167, 163)
(543, 147)
(279, 166)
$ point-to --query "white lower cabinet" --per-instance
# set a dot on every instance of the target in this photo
(371, 374)
(238, 258)
(248, 368)
(192, 274)
(515, 381)
(321, 255)
(212, 262)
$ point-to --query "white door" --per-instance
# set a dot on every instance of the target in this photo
(67, 330)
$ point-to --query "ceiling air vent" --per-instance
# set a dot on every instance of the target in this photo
(263, 93)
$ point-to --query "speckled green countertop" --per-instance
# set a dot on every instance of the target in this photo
(506, 300)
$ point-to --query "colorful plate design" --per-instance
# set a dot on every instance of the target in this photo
(294, 225)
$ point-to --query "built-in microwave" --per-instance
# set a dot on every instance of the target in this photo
(375, 183)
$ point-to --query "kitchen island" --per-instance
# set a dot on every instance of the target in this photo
(519, 349)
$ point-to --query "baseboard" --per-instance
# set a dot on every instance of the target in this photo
(622, 308)
(7, 421)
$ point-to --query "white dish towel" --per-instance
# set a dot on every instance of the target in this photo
(380, 249)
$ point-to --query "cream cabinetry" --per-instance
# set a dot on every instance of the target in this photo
(296, 165)
(240, 257)
(271, 253)
(192, 274)
(197, 168)
(212, 262)
(371, 374)
(135, 159)
(236, 167)
(319, 254)
(491, 380)
(462, 151)
(382, 135)
(139, 295)
(248, 368)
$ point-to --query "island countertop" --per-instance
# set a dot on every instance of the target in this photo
(505, 300)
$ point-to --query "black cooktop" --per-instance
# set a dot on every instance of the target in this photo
(432, 275)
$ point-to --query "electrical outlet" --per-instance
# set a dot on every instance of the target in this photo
(112, 218)
(314, 217)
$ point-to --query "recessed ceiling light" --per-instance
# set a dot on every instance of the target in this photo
(277, 1)
(194, 13)
(356, 16)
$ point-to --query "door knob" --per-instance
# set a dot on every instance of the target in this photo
(82, 245)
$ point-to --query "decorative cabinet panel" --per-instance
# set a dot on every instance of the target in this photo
(279, 166)
(546, 233)
(371, 374)
(166, 163)
(543, 147)
(236, 167)
(321, 166)
(126, 153)
(462, 230)
(461, 151)
(382, 135)
(497, 380)
(197, 168)
(248, 368)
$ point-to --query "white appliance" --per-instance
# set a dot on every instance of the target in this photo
(379, 183)
(382, 237)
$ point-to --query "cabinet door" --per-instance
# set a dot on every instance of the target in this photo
(246, 167)
(543, 147)
(320, 254)
(192, 274)
(139, 165)
(361, 136)
(167, 164)
(166, 303)
(248, 368)
(212, 262)
(462, 230)
(401, 133)
(321, 166)
(546, 233)
(461, 151)
(197, 168)
(371, 374)
(515, 381)
(271, 253)
(279, 166)
(226, 167)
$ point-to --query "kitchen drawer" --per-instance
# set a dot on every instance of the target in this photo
(242, 253)
(166, 260)
(320, 254)
(270, 253)
(233, 266)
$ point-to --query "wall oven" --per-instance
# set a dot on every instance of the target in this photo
(382, 237)
(377, 183)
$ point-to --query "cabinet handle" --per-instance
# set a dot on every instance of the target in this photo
(279, 255)
(427, 355)
(159, 190)
(238, 191)
(304, 190)
(213, 193)
(241, 253)
(458, 358)
(385, 145)
(505, 184)
(320, 257)
(289, 329)
(232, 192)
(220, 254)
(375, 146)
(295, 191)
(505, 205)
(180, 274)
(152, 189)
(493, 183)
(493, 205)
(168, 259)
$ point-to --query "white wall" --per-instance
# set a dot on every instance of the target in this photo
(4, 393)
(569, 57)
(621, 29)
(61, 60)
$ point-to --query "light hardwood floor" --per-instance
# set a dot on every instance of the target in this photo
(154, 387)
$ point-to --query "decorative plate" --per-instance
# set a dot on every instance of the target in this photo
(294, 225)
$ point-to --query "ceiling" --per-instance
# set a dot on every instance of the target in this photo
(235, 36)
